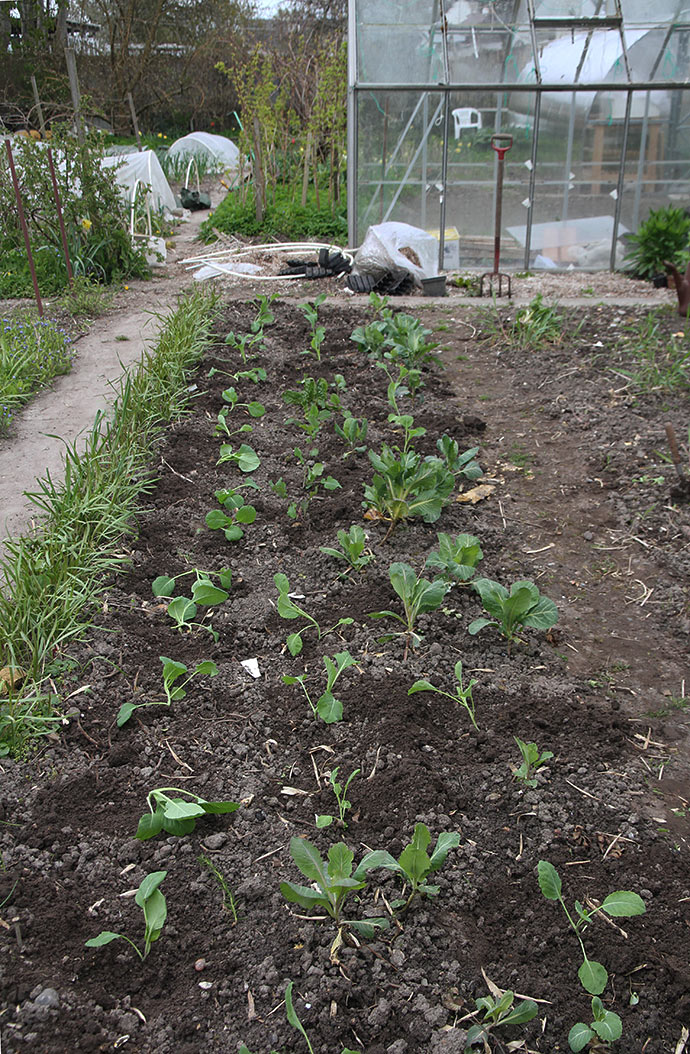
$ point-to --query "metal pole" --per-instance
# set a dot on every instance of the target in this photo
(63, 235)
(39, 108)
(25, 229)
(532, 180)
(621, 178)
(444, 184)
(135, 123)
(352, 119)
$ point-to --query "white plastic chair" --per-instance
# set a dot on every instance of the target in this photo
(466, 117)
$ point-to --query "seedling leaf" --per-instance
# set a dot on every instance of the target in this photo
(610, 1028)
(579, 1036)
(103, 938)
(623, 903)
(163, 586)
(549, 881)
(593, 976)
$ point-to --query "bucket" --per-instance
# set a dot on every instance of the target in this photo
(435, 286)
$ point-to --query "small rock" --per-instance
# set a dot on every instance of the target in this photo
(48, 997)
(128, 1022)
(216, 841)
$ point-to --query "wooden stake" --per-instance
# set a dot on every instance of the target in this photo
(39, 108)
(305, 174)
(25, 230)
(74, 89)
(135, 123)
(259, 186)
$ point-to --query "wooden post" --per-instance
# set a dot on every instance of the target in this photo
(58, 206)
(39, 108)
(305, 174)
(259, 187)
(135, 123)
(74, 89)
(25, 229)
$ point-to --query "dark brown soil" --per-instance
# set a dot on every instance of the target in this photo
(581, 505)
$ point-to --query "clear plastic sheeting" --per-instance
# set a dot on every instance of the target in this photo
(595, 94)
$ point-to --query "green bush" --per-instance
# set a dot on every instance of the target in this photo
(662, 238)
(95, 214)
(285, 218)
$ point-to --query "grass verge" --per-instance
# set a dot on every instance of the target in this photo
(54, 575)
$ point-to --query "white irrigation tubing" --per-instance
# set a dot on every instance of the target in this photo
(214, 259)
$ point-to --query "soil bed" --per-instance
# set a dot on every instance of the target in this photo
(575, 459)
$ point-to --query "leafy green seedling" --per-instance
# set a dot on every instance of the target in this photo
(335, 883)
(405, 422)
(246, 459)
(177, 816)
(462, 695)
(353, 432)
(229, 903)
(621, 904)
(340, 791)
(523, 606)
(313, 473)
(254, 409)
(497, 1013)
(414, 863)
(318, 333)
(406, 485)
(232, 517)
(532, 761)
(204, 594)
(152, 902)
(222, 425)
(327, 707)
(418, 596)
(287, 609)
(456, 558)
(463, 466)
(606, 1025)
(172, 671)
(354, 550)
(264, 316)
(243, 343)
(370, 339)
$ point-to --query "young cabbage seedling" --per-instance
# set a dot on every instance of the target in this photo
(340, 791)
(233, 515)
(245, 458)
(318, 333)
(406, 485)
(353, 432)
(456, 558)
(532, 761)
(414, 863)
(497, 1013)
(327, 707)
(335, 883)
(462, 695)
(523, 606)
(177, 816)
(204, 594)
(152, 902)
(418, 596)
(264, 316)
(254, 409)
(172, 671)
(289, 610)
(621, 904)
(354, 550)
(606, 1025)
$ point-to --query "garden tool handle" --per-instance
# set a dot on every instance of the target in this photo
(501, 144)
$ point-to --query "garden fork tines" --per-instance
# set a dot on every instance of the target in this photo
(501, 144)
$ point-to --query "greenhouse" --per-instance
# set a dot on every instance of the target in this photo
(593, 97)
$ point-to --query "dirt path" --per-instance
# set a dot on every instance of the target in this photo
(67, 410)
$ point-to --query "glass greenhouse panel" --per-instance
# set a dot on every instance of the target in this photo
(399, 158)
(399, 42)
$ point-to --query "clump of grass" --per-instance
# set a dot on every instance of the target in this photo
(32, 352)
(650, 359)
(87, 299)
(534, 326)
(52, 577)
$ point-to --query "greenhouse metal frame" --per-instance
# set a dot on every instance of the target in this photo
(595, 94)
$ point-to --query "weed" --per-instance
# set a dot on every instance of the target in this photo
(229, 903)
(152, 902)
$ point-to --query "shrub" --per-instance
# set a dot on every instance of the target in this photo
(663, 237)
